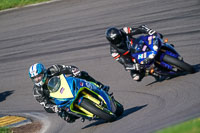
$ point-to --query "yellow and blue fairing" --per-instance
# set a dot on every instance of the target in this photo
(70, 87)
(66, 91)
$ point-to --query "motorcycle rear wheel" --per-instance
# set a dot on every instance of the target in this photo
(91, 107)
(178, 63)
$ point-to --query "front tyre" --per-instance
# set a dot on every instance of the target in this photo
(178, 63)
(119, 110)
(91, 107)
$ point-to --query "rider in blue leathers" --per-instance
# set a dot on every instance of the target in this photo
(39, 75)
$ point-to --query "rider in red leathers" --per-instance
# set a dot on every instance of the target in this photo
(119, 39)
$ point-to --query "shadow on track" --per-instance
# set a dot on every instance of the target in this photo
(5, 94)
(196, 68)
(131, 110)
(126, 113)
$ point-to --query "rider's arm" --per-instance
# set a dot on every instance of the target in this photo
(123, 59)
(63, 69)
(143, 29)
(116, 55)
(39, 94)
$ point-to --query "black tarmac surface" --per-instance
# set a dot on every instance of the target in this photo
(72, 32)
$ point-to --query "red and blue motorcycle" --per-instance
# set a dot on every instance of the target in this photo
(158, 57)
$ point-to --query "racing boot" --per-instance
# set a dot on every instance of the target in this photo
(67, 117)
(71, 118)
(103, 87)
(136, 76)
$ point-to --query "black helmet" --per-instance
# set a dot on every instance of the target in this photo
(114, 35)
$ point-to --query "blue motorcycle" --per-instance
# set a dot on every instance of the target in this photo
(158, 57)
(83, 99)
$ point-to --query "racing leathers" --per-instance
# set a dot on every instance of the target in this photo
(122, 53)
(42, 93)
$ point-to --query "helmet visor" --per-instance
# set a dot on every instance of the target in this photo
(38, 78)
(117, 41)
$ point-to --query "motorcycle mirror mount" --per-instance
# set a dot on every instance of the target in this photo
(166, 40)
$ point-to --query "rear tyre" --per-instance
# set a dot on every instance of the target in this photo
(91, 107)
(178, 63)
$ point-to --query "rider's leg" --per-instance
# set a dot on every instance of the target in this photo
(67, 117)
(137, 76)
(86, 76)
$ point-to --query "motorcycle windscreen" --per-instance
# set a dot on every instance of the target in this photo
(59, 87)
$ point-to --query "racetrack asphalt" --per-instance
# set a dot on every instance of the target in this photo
(72, 32)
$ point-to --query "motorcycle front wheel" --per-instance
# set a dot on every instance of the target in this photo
(120, 109)
(94, 109)
(178, 63)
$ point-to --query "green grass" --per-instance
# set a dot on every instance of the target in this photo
(192, 126)
(5, 130)
(5, 4)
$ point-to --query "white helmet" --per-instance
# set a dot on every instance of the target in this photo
(38, 70)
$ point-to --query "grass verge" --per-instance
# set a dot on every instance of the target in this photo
(6, 4)
(34, 127)
(191, 126)
(5, 130)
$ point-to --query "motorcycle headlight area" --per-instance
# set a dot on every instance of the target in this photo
(155, 47)
(151, 56)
